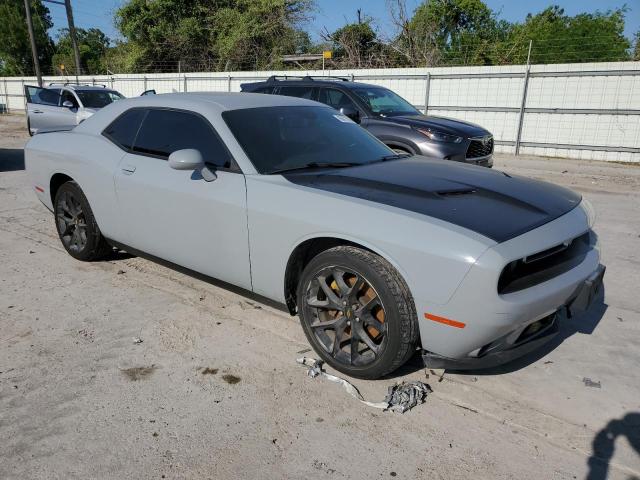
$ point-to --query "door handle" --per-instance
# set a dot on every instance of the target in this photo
(128, 169)
(38, 111)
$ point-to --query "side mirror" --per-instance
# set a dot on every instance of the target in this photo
(186, 159)
(148, 92)
(68, 104)
(352, 113)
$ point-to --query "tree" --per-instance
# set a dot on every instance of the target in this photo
(15, 49)
(93, 45)
(636, 49)
(211, 34)
(449, 32)
(357, 44)
(559, 38)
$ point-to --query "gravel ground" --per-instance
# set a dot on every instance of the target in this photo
(213, 390)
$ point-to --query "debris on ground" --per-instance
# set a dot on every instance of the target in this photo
(438, 372)
(137, 340)
(406, 395)
(231, 379)
(401, 397)
(590, 383)
(120, 272)
(138, 373)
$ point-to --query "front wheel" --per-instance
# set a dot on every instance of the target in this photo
(76, 225)
(357, 312)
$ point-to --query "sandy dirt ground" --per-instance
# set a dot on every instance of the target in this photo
(213, 390)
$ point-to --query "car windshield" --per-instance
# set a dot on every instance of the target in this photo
(277, 139)
(98, 98)
(384, 102)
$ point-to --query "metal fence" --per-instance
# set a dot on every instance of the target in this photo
(585, 111)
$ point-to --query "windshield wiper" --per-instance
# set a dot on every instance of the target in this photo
(312, 165)
(395, 156)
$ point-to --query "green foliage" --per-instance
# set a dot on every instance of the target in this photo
(559, 38)
(216, 34)
(92, 44)
(636, 49)
(454, 32)
(15, 49)
(357, 43)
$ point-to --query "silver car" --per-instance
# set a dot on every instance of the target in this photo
(378, 253)
(64, 106)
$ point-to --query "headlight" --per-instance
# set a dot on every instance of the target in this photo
(436, 136)
(589, 211)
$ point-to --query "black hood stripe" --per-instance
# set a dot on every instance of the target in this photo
(485, 201)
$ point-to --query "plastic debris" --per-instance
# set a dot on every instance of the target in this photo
(591, 383)
(406, 395)
(137, 340)
(401, 397)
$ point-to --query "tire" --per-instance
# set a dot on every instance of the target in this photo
(399, 150)
(372, 343)
(76, 225)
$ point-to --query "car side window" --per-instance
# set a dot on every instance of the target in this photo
(165, 131)
(263, 90)
(122, 131)
(297, 91)
(67, 96)
(46, 96)
(336, 99)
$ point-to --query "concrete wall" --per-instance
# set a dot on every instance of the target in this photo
(585, 111)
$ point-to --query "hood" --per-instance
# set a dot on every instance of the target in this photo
(489, 202)
(442, 124)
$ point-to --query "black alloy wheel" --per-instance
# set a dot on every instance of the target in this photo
(357, 312)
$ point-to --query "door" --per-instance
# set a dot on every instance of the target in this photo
(340, 101)
(45, 111)
(177, 215)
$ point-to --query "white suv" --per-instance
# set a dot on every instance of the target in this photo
(63, 106)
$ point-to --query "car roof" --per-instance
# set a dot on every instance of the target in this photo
(201, 102)
(336, 82)
(219, 101)
(79, 88)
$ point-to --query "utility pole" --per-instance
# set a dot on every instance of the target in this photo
(32, 39)
(74, 39)
(72, 32)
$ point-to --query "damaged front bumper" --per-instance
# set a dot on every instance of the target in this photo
(519, 343)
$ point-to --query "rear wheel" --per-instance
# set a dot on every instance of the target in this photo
(357, 312)
(76, 225)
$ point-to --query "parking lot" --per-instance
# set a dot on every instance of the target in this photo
(213, 389)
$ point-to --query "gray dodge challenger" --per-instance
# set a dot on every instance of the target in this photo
(379, 254)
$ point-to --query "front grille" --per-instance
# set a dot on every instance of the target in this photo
(480, 147)
(542, 266)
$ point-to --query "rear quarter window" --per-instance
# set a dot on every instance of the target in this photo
(123, 130)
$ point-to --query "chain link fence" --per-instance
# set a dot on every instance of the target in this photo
(585, 111)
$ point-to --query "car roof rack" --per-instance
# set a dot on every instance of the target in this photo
(77, 84)
(276, 78)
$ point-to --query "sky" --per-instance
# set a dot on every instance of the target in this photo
(334, 13)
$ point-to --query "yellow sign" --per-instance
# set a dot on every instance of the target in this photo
(61, 67)
(327, 54)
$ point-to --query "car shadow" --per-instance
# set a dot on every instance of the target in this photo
(584, 323)
(603, 445)
(11, 159)
(122, 252)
